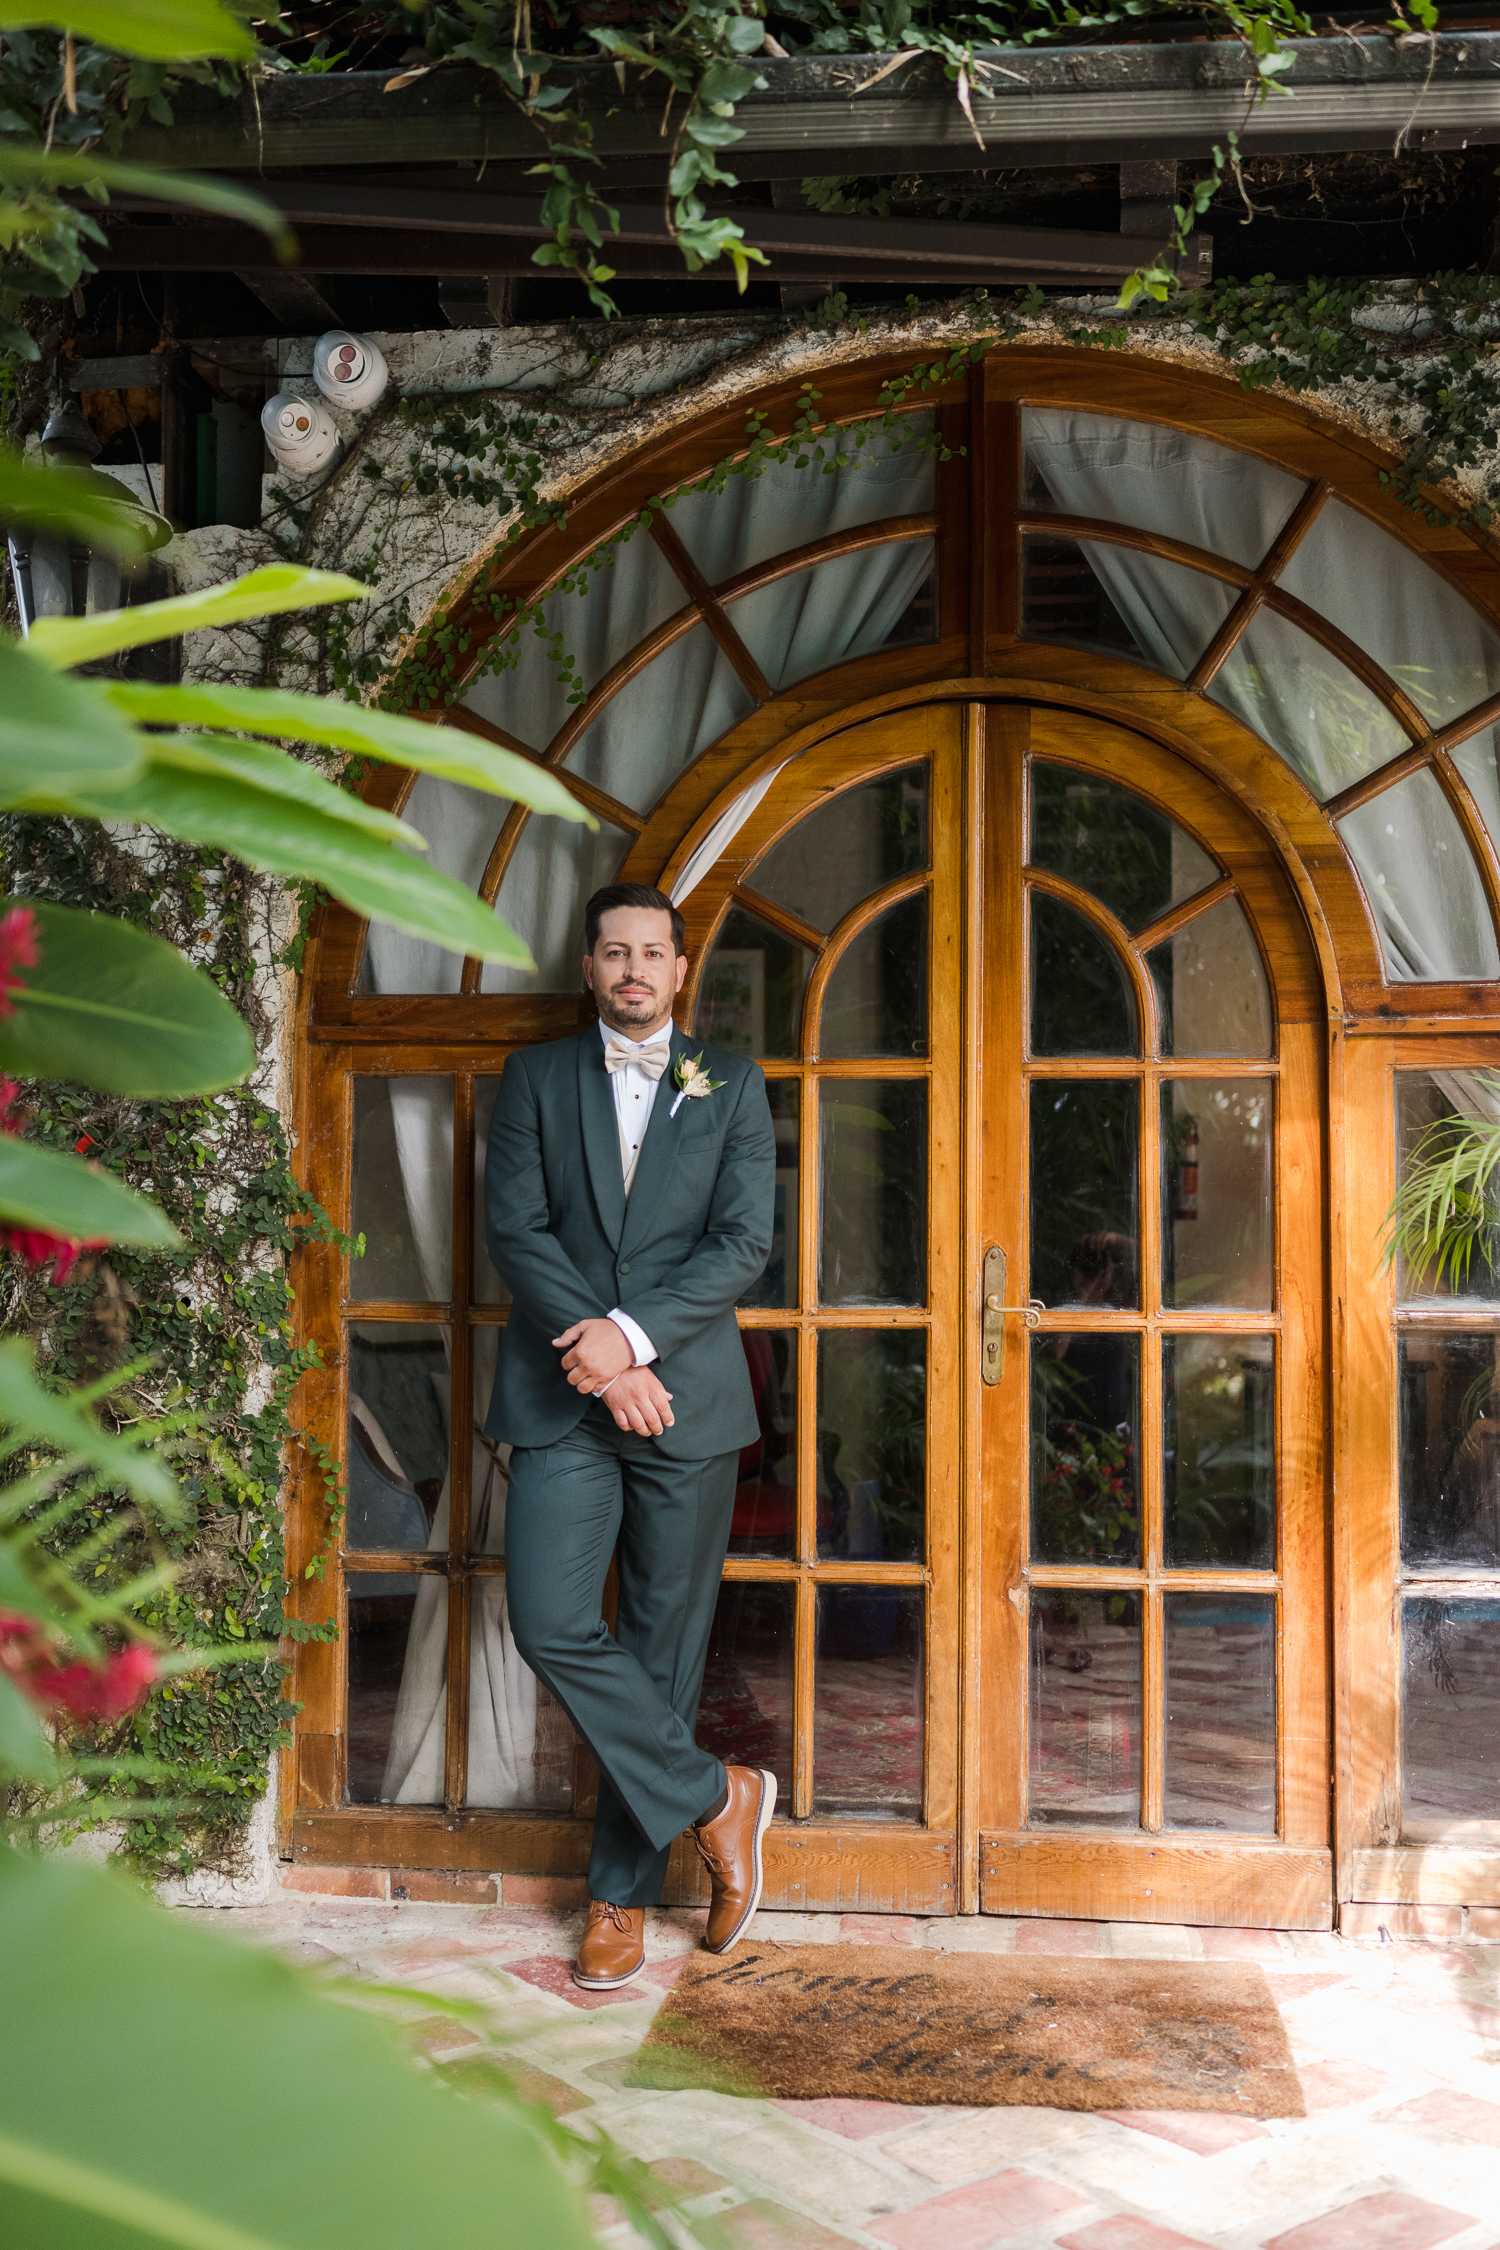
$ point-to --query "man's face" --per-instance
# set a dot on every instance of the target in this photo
(635, 972)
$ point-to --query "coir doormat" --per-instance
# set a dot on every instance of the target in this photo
(883, 2024)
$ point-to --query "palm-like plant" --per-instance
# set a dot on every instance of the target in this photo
(1447, 1202)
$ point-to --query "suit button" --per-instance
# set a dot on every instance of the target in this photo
(624, 1265)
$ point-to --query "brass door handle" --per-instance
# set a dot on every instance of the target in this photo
(994, 1310)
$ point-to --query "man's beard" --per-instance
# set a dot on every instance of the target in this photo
(629, 1015)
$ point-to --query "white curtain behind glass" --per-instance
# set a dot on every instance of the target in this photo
(756, 517)
(502, 1692)
(1418, 874)
(684, 700)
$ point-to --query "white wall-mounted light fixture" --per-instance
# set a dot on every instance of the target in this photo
(299, 431)
(349, 369)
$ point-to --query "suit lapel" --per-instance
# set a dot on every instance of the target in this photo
(601, 1135)
(653, 1171)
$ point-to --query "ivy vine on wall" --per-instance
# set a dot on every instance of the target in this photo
(206, 1329)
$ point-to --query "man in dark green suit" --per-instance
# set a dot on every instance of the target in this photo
(629, 1187)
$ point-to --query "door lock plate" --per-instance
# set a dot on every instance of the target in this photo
(993, 1310)
(992, 1325)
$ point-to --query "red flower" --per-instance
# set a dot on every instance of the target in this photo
(110, 1690)
(19, 949)
(33, 1245)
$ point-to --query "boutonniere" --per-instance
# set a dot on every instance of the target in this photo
(691, 1080)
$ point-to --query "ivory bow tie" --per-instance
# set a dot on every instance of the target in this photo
(652, 1060)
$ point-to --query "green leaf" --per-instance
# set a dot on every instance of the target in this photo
(446, 752)
(160, 30)
(162, 2085)
(281, 776)
(58, 732)
(290, 839)
(110, 1007)
(34, 1415)
(267, 592)
(98, 174)
(22, 1598)
(58, 499)
(59, 1194)
(23, 1747)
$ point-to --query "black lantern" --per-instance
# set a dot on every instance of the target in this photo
(58, 577)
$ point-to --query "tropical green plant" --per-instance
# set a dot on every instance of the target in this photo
(198, 761)
(1447, 1201)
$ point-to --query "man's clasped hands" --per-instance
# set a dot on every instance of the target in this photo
(597, 1358)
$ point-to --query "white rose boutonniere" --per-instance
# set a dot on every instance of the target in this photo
(692, 1082)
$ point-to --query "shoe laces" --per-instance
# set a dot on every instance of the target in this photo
(716, 1862)
(601, 1910)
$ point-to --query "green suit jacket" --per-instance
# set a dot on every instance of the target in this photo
(694, 1235)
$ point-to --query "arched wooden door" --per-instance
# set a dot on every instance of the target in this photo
(1026, 1596)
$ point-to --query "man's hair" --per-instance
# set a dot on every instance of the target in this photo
(630, 894)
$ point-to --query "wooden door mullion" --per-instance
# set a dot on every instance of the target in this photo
(461, 1449)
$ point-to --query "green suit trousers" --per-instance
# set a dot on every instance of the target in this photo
(632, 1694)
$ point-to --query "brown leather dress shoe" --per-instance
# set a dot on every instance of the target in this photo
(614, 1946)
(730, 1848)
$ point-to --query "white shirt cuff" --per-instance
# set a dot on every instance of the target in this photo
(635, 1336)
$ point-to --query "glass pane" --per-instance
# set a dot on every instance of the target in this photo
(397, 1667)
(1084, 1242)
(460, 826)
(1479, 764)
(554, 871)
(872, 1186)
(1211, 992)
(1085, 1748)
(1450, 1730)
(872, 1445)
(1390, 602)
(1160, 480)
(1442, 1116)
(1112, 844)
(750, 993)
(778, 1285)
(575, 639)
(1085, 1411)
(868, 1697)
(1084, 593)
(887, 473)
(520, 1738)
(848, 606)
(875, 1001)
(1307, 705)
(399, 1400)
(1449, 1389)
(765, 1494)
(652, 730)
(847, 848)
(1218, 1452)
(1082, 1002)
(1220, 1712)
(1422, 885)
(745, 1711)
(402, 1190)
(1216, 1211)
(489, 1289)
(384, 1510)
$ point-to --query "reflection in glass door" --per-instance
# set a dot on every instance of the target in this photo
(825, 968)
(1139, 1568)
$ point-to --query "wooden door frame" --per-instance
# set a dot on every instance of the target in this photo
(1158, 1874)
(979, 658)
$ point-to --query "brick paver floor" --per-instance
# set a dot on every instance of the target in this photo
(1398, 2044)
